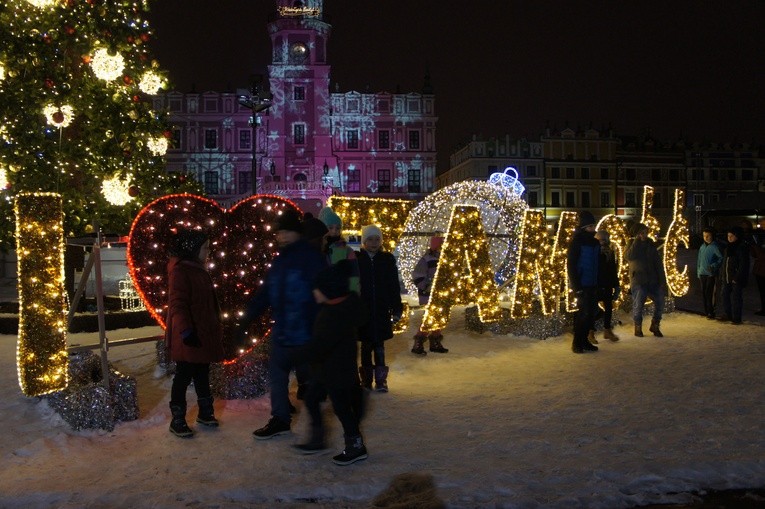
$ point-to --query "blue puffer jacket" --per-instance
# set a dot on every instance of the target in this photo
(709, 259)
(583, 260)
(288, 291)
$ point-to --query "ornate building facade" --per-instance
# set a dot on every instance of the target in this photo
(301, 140)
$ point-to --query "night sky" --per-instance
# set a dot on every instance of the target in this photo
(679, 68)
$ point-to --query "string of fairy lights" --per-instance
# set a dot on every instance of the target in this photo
(243, 245)
(41, 355)
(388, 214)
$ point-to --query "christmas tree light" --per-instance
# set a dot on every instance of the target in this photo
(65, 130)
(388, 214)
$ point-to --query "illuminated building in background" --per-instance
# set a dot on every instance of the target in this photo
(311, 142)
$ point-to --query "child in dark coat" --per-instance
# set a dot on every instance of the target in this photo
(332, 354)
(193, 334)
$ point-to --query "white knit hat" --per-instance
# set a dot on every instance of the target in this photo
(370, 230)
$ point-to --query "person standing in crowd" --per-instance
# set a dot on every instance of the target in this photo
(647, 279)
(608, 285)
(335, 247)
(422, 276)
(582, 265)
(194, 332)
(381, 293)
(758, 269)
(707, 269)
(287, 290)
(734, 273)
(331, 353)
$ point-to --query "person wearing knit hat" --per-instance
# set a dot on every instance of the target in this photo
(287, 291)
(381, 292)
(332, 354)
(582, 265)
(647, 279)
(193, 332)
(314, 232)
(335, 246)
(422, 277)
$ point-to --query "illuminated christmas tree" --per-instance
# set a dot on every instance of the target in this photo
(76, 81)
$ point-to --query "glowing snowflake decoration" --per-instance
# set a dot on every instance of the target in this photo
(115, 190)
(105, 66)
(41, 4)
(59, 116)
(157, 146)
(150, 83)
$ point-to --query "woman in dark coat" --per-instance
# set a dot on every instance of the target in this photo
(734, 274)
(381, 292)
(194, 335)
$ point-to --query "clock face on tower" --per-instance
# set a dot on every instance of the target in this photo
(298, 50)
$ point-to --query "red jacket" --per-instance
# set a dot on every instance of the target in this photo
(192, 305)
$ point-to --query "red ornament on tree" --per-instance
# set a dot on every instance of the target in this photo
(130, 39)
(127, 79)
(144, 37)
(168, 134)
(58, 117)
(49, 83)
(132, 191)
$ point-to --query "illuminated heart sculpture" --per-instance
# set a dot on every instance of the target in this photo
(242, 245)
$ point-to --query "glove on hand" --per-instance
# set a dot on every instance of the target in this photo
(190, 338)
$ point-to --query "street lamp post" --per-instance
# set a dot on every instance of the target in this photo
(257, 101)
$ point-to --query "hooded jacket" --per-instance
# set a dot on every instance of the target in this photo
(381, 293)
(192, 306)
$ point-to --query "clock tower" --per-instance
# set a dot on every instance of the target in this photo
(296, 130)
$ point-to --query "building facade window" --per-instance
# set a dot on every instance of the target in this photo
(604, 173)
(383, 181)
(605, 199)
(211, 182)
(352, 138)
(555, 172)
(698, 199)
(413, 181)
(629, 199)
(383, 139)
(570, 173)
(674, 175)
(555, 199)
(245, 139)
(585, 173)
(570, 199)
(244, 182)
(298, 134)
(211, 139)
(298, 93)
(630, 174)
(531, 171)
(697, 174)
(414, 140)
(585, 199)
(354, 181)
(533, 198)
(656, 174)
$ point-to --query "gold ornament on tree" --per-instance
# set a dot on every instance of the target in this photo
(116, 190)
(105, 66)
(59, 116)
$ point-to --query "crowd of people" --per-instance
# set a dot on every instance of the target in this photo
(325, 299)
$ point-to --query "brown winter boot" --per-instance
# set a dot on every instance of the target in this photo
(609, 334)
(655, 329)
(638, 330)
(419, 339)
(591, 337)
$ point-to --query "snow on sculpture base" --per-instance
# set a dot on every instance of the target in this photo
(535, 326)
(87, 404)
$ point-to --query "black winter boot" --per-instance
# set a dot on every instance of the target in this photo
(418, 348)
(207, 412)
(435, 343)
(381, 378)
(354, 451)
(178, 426)
(655, 329)
(315, 444)
(365, 372)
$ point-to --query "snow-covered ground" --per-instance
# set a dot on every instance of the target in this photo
(499, 421)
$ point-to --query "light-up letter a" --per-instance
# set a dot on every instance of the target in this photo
(464, 274)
